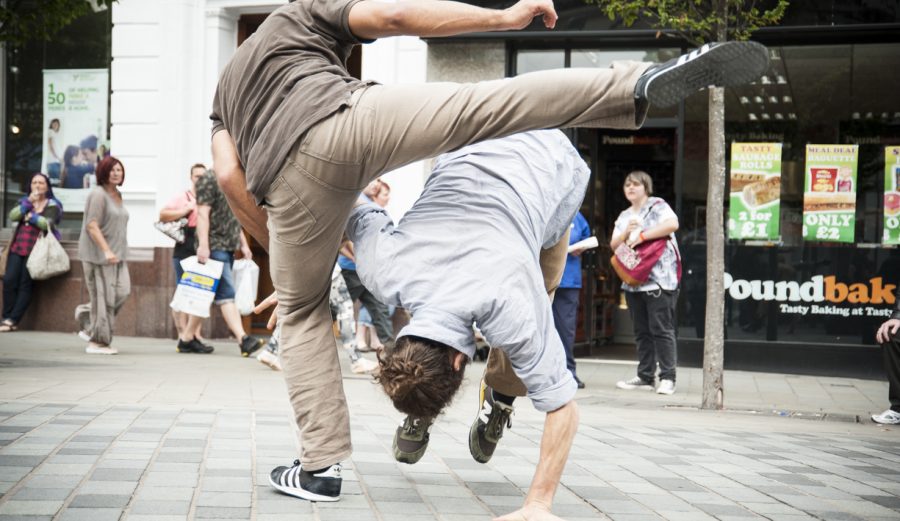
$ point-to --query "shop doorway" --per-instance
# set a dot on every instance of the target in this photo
(604, 324)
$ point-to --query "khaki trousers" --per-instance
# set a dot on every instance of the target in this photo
(108, 286)
(383, 128)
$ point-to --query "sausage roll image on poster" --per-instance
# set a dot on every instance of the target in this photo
(739, 180)
(763, 192)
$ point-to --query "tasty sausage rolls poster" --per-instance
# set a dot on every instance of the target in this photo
(755, 200)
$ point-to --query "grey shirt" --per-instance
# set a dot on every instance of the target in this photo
(469, 251)
(290, 74)
(113, 221)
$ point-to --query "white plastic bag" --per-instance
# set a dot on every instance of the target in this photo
(197, 288)
(246, 284)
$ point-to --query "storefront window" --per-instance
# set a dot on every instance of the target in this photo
(539, 60)
(83, 45)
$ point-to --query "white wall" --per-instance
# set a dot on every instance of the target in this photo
(167, 55)
(390, 61)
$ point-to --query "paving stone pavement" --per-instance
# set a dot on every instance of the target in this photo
(152, 435)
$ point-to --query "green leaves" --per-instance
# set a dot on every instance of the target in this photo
(24, 20)
(697, 21)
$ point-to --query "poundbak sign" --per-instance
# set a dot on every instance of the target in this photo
(820, 295)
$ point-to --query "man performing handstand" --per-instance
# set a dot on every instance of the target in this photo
(485, 243)
(294, 132)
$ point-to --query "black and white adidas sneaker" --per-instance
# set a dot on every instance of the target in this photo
(728, 64)
(324, 485)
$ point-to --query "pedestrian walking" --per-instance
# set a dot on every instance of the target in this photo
(103, 249)
(293, 130)
(651, 303)
(38, 211)
(218, 235)
(183, 205)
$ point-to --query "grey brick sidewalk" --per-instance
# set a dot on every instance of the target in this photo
(151, 435)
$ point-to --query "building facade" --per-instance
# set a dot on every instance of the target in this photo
(831, 81)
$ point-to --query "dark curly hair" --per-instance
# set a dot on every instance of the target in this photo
(418, 376)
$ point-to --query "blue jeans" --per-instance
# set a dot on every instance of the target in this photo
(17, 286)
(225, 291)
(565, 317)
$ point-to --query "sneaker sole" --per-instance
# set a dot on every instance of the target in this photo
(635, 387)
(727, 65)
(269, 363)
(302, 494)
(881, 422)
(666, 393)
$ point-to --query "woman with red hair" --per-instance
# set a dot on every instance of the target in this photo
(103, 247)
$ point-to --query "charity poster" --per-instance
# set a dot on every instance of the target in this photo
(829, 195)
(891, 195)
(754, 210)
(75, 105)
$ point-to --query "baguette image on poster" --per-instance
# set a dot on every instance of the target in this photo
(891, 195)
(829, 195)
(754, 210)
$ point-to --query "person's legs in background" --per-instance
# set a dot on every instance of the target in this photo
(646, 352)
(661, 324)
(891, 351)
(225, 300)
(17, 285)
(565, 317)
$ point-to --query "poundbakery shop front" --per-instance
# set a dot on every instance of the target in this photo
(813, 203)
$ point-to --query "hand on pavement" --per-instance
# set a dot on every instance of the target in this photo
(531, 512)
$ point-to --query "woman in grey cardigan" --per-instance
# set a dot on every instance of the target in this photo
(103, 247)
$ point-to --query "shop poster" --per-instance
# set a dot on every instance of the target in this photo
(829, 195)
(76, 105)
(754, 211)
(891, 195)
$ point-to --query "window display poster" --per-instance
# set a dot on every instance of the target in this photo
(754, 210)
(829, 196)
(891, 195)
(75, 104)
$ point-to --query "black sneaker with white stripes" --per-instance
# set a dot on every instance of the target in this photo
(321, 485)
(726, 64)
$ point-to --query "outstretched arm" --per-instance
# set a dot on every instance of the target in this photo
(432, 18)
(559, 431)
(233, 182)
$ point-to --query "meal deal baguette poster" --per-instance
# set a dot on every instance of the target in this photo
(891, 195)
(829, 197)
(755, 203)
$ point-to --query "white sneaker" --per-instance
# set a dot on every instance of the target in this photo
(666, 387)
(269, 359)
(634, 383)
(364, 365)
(888, 417)
(94, 349)
(84, 335)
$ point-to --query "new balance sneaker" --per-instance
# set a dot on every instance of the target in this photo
(487, 429)
(250, 345)
(269, 359)
(888, 417)
(363, 365)
(98, 349)
(321, 485)
(726, 64)
(194, 346)
(666, 387)
(411, 439)
(634, 383)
